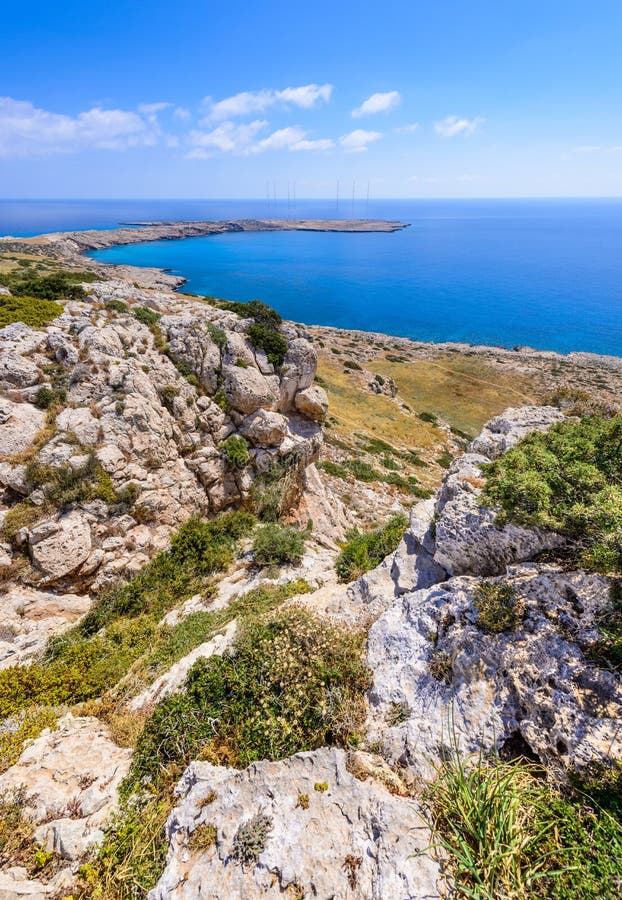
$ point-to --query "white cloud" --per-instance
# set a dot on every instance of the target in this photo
(181, 113)
(26, 130)
(377, 103)
(358, 140)
(242, 139)
(594, 148)
(319, 144)
(407, 129)
(452, 126)
(279, 140)
(228, 137)
(252, 102)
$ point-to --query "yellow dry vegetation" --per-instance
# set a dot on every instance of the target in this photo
(461, 389)
(357, 410)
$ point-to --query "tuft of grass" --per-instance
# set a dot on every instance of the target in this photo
(365, 550)
(203, 838)
(276, 545)
(499, 608)
(21, 515)
(132, 856)
(509, 834)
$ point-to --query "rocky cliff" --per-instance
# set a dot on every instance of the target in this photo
(135, 410)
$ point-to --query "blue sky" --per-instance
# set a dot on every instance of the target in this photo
(453, 98)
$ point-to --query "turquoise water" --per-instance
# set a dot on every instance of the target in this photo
(543, 273)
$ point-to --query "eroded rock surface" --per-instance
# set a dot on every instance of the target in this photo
(455, 534)
(328, 834)
(68, 780)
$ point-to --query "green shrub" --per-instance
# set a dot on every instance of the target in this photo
(445, 459)
(60, 286)
(293, 682)
(217, 335)
(365, 550)
(264, 334)
(33, 311)
(146, 316)
(499, 608)
(567, 480)
(337, 470)
(264, 337)
(46, 397)
(235, 450)
(428, 417)
(117, 306)
(351, 364)
(78, 670)
(276, 545)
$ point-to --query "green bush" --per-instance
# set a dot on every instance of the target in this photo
(117, 306)
(293, 682)
(567, 480)
(351, 364)
(264, 334)
(264, 337)
(235, 450)
(146, 316)
(428, 417)
(365, 550)
(61, 285)
(276, 545)
(46, 397)
(33, 311)
(499, 608)
(217, 335)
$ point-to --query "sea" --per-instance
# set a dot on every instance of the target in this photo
(540, 273)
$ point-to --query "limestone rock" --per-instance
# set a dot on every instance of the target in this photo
(532, 682)
(299, 367)
(458, 535)
(264, 428)
(30, 617)
(312, 402)
(19, 425)
(70, 776)
(329, 834)
(59, 546)
(248, 389)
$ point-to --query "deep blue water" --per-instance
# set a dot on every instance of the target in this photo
(543, 273)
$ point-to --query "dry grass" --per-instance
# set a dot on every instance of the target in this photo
(463, 390)
(359, 410)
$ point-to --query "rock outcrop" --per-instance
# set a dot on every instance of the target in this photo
(67, 781)
(454, 534)
(142, 410)
(303, 827)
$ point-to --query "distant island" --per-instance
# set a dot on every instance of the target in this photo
(70, 246)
